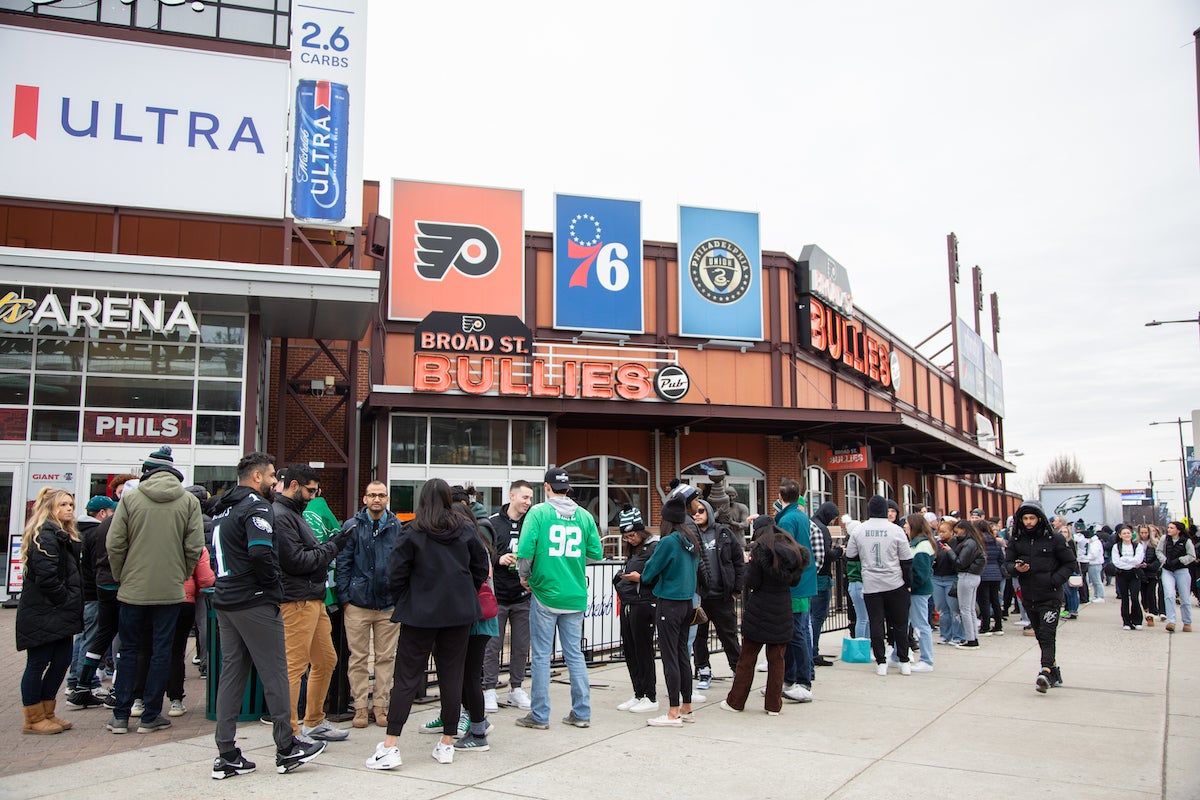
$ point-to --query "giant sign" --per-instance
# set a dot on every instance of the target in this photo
(598, 264)
(92, 120)
(827, 332)
(720, 274)
(109, 312)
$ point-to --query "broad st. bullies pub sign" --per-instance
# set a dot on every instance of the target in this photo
(488, 354)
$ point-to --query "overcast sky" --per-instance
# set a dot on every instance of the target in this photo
(1058, 140)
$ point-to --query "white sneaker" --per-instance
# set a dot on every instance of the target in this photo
(762, 666)
(905, 668)
(881, 669)
(665, 722)
(1097, 599)
(630, 703)
(489, 701)
(443, 753)
(797, 693)
(698, 698)
(137, 709)
(519, 698)
(384, 758)
(644, 706)
(177, 709)
(921, 666)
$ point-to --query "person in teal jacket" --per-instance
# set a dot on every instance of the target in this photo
(671, 574)
(798, 658)
(924, 547)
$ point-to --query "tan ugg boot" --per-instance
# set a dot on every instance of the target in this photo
(381, 716)
(48, 707)
(36, 722)
(360, 718)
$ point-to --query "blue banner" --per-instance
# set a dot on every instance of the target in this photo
(598, 264)
(720, 274)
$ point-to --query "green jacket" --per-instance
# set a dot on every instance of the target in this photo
(671, 570)
(156, 538)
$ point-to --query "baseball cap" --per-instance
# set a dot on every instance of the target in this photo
(558, 479)
(100, 503)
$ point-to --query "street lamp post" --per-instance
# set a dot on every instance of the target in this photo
(1187, 506)
(1156, 322)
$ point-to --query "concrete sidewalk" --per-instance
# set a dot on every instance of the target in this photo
(1125, 726)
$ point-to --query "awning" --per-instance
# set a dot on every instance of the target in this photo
(899, 437)
(293, 302)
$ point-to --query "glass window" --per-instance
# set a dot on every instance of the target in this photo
(909, 496)
(221, 362)
(212, 429)
(476, 442)
(820, 488)
(138, 393)
(56, 390)
(884, 490)
(142, 358)
(218, 480)
(182, 19)
(16, 353)
(221, 329)
(585, 470)
(603, 499)
(403, 499)
(528, 442)
(626, 473)
(14, 390)
(408, 439)
(55, 426)
(213, 396)
(856, 497)
(247, 26)
(61, 355)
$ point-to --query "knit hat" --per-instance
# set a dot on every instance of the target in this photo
(100, 503)
(559, 480)
(762, 521)
(631, 519)
(674, 510)
(158, 459)
(877, 507)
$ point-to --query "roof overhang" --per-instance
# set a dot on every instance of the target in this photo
(292, 302)
(896, 436)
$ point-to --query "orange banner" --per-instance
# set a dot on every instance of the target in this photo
(456, 248)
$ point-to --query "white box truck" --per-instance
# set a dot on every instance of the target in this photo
(1095, 503)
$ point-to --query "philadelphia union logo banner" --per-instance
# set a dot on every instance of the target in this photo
(720, 274)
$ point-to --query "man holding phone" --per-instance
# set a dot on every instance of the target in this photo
(1042, 560)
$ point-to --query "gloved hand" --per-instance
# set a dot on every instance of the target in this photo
(342, 539)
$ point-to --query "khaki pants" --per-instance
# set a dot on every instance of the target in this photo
(308, 641)
(361, 624)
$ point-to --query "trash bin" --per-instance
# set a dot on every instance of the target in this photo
(254, 703)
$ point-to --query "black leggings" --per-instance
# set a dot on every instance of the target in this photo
(45, 667)
(1151, 595)
(672, 623)
(449, 648)
(472, 687)
(637, 640)
(1129, 587)
(989, 606)
(888, 609)
(724, 619)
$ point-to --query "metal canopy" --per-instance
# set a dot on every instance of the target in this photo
(918, 443)
(293, 302)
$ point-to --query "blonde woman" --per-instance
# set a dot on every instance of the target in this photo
(50, 610)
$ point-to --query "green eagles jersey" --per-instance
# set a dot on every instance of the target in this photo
(560, 548)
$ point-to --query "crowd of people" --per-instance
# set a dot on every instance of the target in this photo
(288, 582)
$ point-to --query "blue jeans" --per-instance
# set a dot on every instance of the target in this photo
(90, 612)
(132, 622)
(1072, 600)
(862, 624)
(1177, 581)
(918, 617)
(819, 611)
(542, 626)
(949, 625)
(798, 657)
(1095, 577)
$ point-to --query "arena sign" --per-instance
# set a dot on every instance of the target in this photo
(111, 312)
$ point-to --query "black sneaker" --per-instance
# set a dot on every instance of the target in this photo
(117, 726)
(83, 698)
(1055, 677)
(110, 699)
(471, 741)
(1043, 682)
(301, 752)
(159, 723)
(228, 767)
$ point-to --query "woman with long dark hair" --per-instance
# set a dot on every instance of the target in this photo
(777, 562)
(1129, 556)
(1151, 587)
(671, 572)
(924, 547)
(434, 572)
(50, 610)
(970, 555)
(990, 580)
(1176, 551)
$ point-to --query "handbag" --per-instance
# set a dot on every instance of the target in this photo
(856, 651)
(1110, 569)
(1075, 581)
(487, 602)
(699, 617)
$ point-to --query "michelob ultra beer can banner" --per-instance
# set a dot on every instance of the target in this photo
(597, 264)
(720, 274)
(329, 68)
(456, 248)
(91, 120)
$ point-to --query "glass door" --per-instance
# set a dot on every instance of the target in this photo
(13, 523)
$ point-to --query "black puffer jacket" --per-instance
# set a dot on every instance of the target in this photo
(969, 556)
(767, 599)
(51, 603)
(303, 560)
(635, 593)
(1051, 560)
